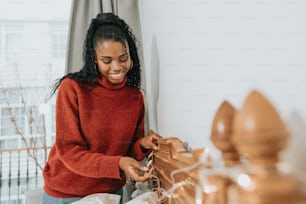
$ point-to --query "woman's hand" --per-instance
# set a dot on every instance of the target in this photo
(150, 141)
(134, 169)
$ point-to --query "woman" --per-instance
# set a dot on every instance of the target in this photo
(99, 118)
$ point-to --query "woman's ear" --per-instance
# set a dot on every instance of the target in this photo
(94, 58)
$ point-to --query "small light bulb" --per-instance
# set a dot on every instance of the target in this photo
(244, 181)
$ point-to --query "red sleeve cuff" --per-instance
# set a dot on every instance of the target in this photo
(139, 152)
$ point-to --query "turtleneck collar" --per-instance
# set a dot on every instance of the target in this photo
(107, 84)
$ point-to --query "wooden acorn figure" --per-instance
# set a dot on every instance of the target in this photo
(221, 134)
(259, 134)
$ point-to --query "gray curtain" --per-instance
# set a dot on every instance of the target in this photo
(81, 14)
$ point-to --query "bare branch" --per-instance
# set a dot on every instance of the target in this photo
(30, 144)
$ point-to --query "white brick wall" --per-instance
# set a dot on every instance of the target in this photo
(209, 51)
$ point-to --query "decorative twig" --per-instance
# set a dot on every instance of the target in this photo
(32, 142)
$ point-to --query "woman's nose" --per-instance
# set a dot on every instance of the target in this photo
(116, 65)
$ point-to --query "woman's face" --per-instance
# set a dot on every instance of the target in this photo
(113, 60)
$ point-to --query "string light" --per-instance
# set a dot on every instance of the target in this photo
(245, 181)
(162, 194)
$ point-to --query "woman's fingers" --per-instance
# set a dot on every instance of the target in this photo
(140, 173)
(135, 170)
(154, 141)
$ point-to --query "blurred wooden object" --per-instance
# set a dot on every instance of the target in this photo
(256, 135)
(221, 136)
(259, 135)
(170, 157)
(221, 133)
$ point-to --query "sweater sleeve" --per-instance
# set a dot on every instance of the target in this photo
(135, 150)
(72, 149)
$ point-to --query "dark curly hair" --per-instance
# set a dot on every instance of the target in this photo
(106, 26)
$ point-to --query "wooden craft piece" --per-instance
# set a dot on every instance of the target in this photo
(221, 136)
(170, 157)
(221, 185)
(272, 187)
(259, 131)
(260, 134)
(221, 133)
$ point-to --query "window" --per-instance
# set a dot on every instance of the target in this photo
(10, 41)
(58, 40)
(13, 40)
(32, 56)
(12, 121)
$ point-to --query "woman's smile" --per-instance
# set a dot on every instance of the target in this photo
(117, 76)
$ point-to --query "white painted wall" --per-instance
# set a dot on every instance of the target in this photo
(200, 52)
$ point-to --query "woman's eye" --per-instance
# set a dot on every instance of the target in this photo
(124, 58)
(106, 61)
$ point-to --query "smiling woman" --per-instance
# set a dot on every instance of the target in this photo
(100, 136)
(32, 55)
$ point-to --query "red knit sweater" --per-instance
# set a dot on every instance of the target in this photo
(94, 128)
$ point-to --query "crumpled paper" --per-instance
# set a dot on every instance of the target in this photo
(141, 188)
(99, 198)
(145, 198)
